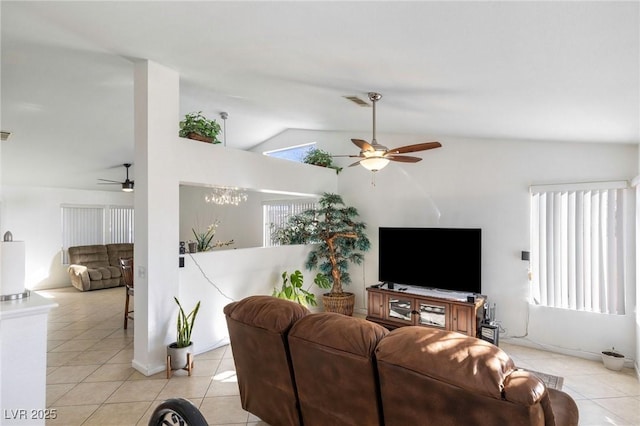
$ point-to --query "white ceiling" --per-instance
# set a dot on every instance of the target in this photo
(518, 70)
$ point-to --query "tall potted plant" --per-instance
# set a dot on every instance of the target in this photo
(340, 239)
(178, 352)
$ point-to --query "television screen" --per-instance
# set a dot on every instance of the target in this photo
(441, 258)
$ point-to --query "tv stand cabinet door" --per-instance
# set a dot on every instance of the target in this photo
(376, 305)
(463, 319)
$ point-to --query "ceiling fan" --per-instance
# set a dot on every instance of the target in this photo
(127, 185)
(374, 156)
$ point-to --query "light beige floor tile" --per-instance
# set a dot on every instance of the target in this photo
(64, 334)
(68, 374)
(111, 372)
(58, 359)
(185, 387)
(72, 415)
(89, 393)
(121, 414)
(52, 343)
(111, 344)
(217, 353)
(204, 367)
(96, 333)
(223, 410)
(92, 357)
(54, 392)
(592, 414)
(628, 408)
(139, 376)
(123, 356)
(592, 386)
(137, 390)
(75, 345)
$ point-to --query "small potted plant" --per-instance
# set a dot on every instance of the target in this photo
(613, 360)
(291, 288)
(321, 158)
(179, 353)
(198, 127)
(204, 240)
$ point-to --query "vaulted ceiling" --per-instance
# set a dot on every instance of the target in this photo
(559, 71)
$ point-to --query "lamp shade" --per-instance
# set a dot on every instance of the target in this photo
(374, 163)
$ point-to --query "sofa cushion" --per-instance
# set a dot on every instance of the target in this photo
(335, 370)
(448, 356)
(117, 251)
(91, 256)
(258, 327)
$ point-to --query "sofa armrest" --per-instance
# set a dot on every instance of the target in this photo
(524, 388)
(79, 275)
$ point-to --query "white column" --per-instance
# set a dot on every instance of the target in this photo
(156, 118)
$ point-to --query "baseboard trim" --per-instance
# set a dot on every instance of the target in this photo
(148, 370)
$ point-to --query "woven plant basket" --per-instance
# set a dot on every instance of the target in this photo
(340, 303)
(200, 138)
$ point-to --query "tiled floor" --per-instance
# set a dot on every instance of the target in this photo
(91, 382)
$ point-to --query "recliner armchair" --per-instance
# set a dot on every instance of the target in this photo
(97, 266)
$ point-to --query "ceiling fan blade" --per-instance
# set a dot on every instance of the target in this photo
(109, 181)
(363, 145)
(351, 156)
(414, 148)
(403, 158)
(355, 164)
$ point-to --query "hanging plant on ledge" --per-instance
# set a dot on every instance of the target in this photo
(319, 157)
(198, 127)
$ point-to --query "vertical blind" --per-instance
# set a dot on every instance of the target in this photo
(121, 224)
(577, 239)
(86, 225)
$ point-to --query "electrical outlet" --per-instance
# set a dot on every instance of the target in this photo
(142, 272)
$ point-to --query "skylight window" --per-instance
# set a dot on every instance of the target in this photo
(293, 153)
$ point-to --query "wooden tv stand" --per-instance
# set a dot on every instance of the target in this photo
(410, 305)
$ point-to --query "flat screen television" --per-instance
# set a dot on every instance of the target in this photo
(441, 258)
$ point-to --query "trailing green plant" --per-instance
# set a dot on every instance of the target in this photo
(340, 238)
(291, 288)
(322, 158)
(195, 122)
(185, 325)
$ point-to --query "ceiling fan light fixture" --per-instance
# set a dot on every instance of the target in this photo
(374, 163)
(127, 186)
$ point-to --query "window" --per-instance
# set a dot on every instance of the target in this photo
(86, 225)
(276, 214)
(293, 153)
(577, 246)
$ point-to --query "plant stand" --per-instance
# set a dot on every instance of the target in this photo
(188, 367)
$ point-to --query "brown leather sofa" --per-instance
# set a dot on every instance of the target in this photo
(295, 367)
(95, 267)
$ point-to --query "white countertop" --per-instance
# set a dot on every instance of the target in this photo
(32, 305)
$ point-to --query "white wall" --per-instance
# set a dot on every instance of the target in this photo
(34, 215)
(218, 278)
(484, 183)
